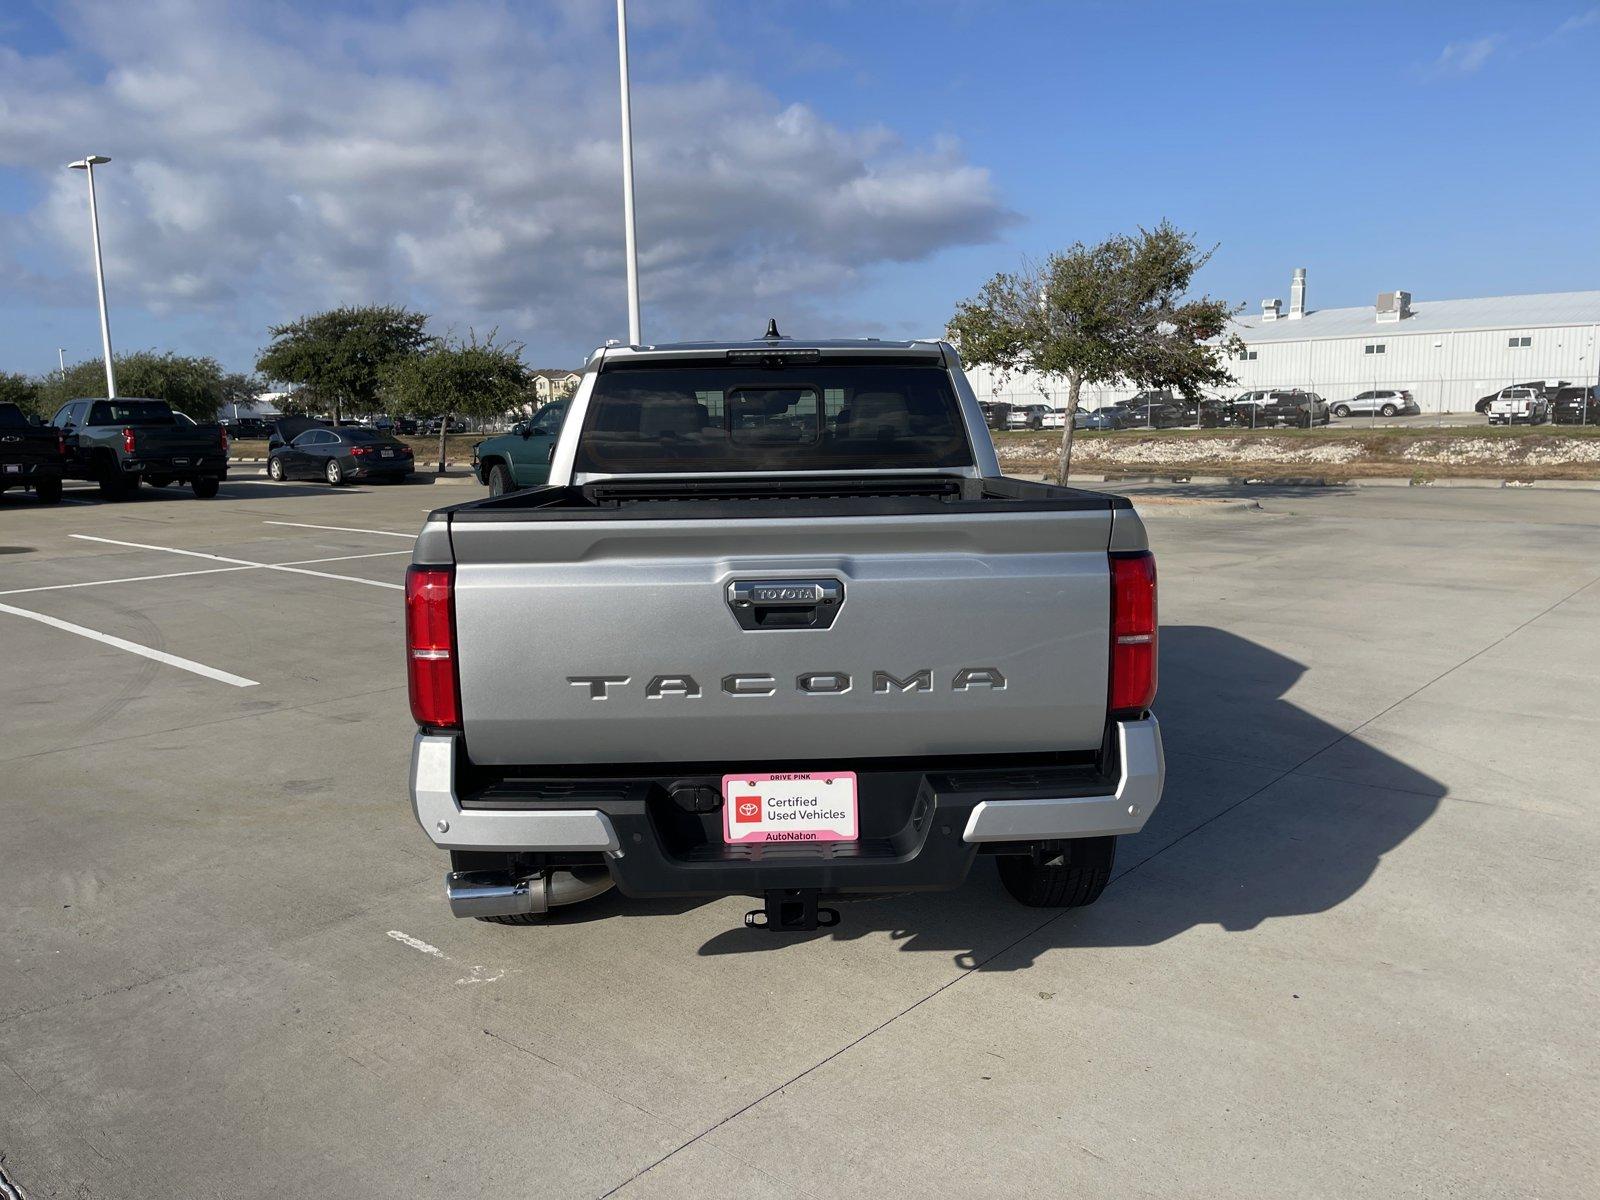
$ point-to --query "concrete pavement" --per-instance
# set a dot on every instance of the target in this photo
(1351, 955)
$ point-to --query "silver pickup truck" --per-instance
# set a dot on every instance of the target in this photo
(777, 626)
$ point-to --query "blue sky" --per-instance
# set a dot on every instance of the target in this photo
(849, 168)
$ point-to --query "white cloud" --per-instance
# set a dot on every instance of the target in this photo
(1583, 20)
(465, 159)
(1463, 58)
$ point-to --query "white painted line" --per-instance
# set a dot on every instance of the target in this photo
(160, 656)
(244, 562)
(300, 562)
(61, 587)
(341, 529)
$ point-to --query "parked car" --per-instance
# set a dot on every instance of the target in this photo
(119, 442)
(1215, 414)
(1109, 417)
(240, 428)
(338, 455)
(1541, 386)
(1384, 402)
(1294, 409)
(406, 426)
(520, 458)
(1051, 418)
(1154, 416)
(1519, 406)
(1575, 406)
(1026, 416)
(768, 723)
(995, 413)
(32, 456)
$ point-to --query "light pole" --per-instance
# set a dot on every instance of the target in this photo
(87, 164)
(629, 232)
(61, 357)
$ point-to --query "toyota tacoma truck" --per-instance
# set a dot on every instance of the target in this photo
(778, 626)
(117, 443)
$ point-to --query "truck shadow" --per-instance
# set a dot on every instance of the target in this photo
(1246, 831)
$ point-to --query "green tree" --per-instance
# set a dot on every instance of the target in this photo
(239, 389)
(18, 389)
(456, 378)
(1097, 314)
(343, 356)
(192, 385)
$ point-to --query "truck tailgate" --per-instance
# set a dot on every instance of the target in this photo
(617, 641)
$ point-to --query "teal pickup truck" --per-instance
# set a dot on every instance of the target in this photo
(520, 458)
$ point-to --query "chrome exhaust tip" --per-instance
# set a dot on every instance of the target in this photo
(489, 894)
(494, 894)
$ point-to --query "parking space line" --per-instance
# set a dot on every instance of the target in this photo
(160, 656)
(244, 562)
(341, 529)
(61, 587)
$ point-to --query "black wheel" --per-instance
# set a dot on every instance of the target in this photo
(335, 473)
(514, 919)
(48, 490)
(1388, 410)
(499, 480)
(113, 486)
(205, 486)
(1341, 410)
(275, 469)
(1064, 875)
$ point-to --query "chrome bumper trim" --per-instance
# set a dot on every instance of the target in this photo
(433, 799)
(1144, 770)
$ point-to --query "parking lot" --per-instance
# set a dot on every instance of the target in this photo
(1351, 955)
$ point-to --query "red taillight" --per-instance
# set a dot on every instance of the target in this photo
(222, 433)
(405, 451)
(431, 646)
(127, 440)
(1133, 631)
(358, 451)
(61, 443)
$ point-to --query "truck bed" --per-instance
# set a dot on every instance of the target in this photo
(769, 498)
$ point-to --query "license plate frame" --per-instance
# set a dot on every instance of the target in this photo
(794, 807)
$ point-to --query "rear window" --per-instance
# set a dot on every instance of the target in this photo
(11, 416)
(801, 417)
(131, 412)
(359, 437)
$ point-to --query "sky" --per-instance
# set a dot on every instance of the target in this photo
(853, 169)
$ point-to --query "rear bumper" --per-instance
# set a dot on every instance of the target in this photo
(928, 826)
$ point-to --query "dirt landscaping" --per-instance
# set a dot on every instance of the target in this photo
(1544, 452)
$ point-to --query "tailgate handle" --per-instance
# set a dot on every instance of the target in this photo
(785, 603)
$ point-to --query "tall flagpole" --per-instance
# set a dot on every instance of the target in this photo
(631, 234)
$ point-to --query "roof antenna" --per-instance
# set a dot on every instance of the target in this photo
(772, 329)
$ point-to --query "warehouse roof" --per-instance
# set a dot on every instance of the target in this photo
(1429, 316)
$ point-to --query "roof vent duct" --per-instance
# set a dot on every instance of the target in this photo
(1297, 294)
(1393, 306)
(1270, 309)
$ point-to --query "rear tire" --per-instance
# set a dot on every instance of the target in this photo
(1071, 877)
(1388, 410)
(335, 473)
(48, 491)
(205, 486)
(499, 480)
(113, 485)
(1341, 410)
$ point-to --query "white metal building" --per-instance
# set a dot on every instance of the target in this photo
(1447, 353)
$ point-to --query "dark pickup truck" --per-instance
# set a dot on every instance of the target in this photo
(31, 456)
(116, 443)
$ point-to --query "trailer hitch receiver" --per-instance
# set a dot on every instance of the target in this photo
(791, 910)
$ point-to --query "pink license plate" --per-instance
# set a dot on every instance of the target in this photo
(808, 806)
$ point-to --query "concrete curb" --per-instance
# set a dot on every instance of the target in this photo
(1359, 481)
